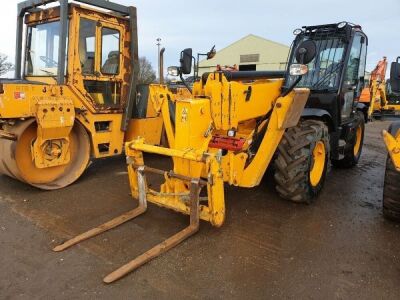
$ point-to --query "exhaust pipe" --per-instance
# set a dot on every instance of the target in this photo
(161, 66)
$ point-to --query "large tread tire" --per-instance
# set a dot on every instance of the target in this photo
(350, 159)
(391, 186)
(391, 192)
(294, 161)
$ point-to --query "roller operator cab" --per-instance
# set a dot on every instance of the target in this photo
(335, 78)
(74, 94)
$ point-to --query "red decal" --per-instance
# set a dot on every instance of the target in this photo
(227, 143)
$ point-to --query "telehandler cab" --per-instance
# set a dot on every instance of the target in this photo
(74, 95)
(236, 124)
(391, 186)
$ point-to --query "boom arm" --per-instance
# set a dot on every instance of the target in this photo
(375, 94)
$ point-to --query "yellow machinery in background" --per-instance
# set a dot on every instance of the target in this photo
(378, 94)
(75, 94)
(391, 187)
(236, 124)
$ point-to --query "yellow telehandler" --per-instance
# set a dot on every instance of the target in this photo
(391, 187)
(75, 95)
(236, 124)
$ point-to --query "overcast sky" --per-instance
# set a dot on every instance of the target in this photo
(201, 24)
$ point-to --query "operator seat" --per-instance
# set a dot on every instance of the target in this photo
(111, 65)
(86, 58)
(88, 65)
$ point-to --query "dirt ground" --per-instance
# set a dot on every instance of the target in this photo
(340, 247)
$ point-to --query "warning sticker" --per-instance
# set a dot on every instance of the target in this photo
(19, 95)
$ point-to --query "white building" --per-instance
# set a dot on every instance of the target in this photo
(249, 54)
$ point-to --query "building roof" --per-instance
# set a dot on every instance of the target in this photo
(256, 37)
(256, 43)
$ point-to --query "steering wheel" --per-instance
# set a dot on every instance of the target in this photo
(50, 63)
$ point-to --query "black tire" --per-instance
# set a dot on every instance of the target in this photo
(294, 161)
(391, 186)
(350, 159)
(391, 192)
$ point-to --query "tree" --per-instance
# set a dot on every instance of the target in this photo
(146, 73)
(5, 66)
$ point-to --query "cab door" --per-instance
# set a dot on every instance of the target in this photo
(353, 75)
(100, 61)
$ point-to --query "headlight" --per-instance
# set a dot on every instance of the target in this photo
(298, 69)
(173, 71)
(232, 132)
(341, 25)
(297, 31)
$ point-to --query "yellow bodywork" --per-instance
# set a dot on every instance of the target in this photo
(216, 107)
(393, 147)
(56, 109)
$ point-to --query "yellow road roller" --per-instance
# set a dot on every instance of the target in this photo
(75, 95)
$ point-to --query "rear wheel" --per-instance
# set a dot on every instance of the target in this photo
(354, 144)
(391, 192)
(302, 161)
(391, 186)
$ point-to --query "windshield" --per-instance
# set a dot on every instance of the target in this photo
(325, 69)
(42, 49)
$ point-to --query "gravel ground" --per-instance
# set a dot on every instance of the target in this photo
(340, 247)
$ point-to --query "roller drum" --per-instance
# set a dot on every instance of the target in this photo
(16, 160)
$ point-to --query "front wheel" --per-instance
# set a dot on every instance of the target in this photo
(17, 160)
(302, 161)
(354, 144)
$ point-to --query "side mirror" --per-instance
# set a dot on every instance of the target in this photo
(173, 71)
(211, 53)
(186, 61)
(306, 52)
(395, 76)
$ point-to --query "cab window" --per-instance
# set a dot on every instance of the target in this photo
(110, 51)
(352, 71)
(104, 93)
(99, 55)
(325, 69)
(42, 49)
(87, 45)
